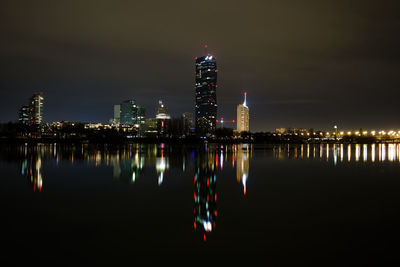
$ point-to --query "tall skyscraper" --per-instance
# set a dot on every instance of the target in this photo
(130, 113)
(206, 94)
(36, 109)
(243, 116)
(23, 115)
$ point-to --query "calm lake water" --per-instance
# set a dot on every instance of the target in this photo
(107, 204)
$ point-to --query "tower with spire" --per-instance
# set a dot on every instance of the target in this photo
(243, 116)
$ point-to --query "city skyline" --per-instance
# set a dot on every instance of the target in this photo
(305, 65)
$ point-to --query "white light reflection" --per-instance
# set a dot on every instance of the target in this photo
(373, 152)
(358, 152)
(365, 153)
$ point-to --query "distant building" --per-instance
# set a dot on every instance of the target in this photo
(23, 115)
(36, 109)
(117, 114)
(141, 118)
(131, 113)
(280, 130)
(188, 122)
(206, 94)
(243, 116)
(162, 112)
(163, 118)
(150, 127)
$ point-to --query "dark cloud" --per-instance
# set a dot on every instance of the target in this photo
(303, 63)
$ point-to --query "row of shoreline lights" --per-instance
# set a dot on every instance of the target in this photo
(358, 133)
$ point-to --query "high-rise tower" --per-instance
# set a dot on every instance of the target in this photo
(243, 116)
(206, 94)
(36, 109)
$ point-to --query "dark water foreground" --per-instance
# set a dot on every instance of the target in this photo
(282, 204)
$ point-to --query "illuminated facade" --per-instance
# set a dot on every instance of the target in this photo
(243, 116)
(36, 109)
(206, 94)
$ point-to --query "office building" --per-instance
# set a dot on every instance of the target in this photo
(131, 113)
(150, 127)
(23, 115)
(243, 116)
(36, 109)
(206, 95)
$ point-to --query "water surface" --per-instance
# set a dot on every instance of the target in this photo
(105, 204)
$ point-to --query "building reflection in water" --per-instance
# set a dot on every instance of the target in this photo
(129, 161)
(243, 164)
(340, 153)
(162, 164)
(31, 166)
(205, 195)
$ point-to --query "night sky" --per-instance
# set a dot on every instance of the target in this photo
(303, 63)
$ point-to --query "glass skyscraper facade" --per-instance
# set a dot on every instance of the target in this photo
(206, 95)
(131, 113)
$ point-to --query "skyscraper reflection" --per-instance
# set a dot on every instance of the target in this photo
(242, 165)
(129, 162)
(161, 165)
(205, 195)
(31, 167)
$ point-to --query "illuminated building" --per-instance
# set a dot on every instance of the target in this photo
(206, 95)
(281, 130)
(243, 116)
(23, 115)
(205, 195)
(163, 118)
(162, 112)
(131, 113)
(150, 127)
(36, 109)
